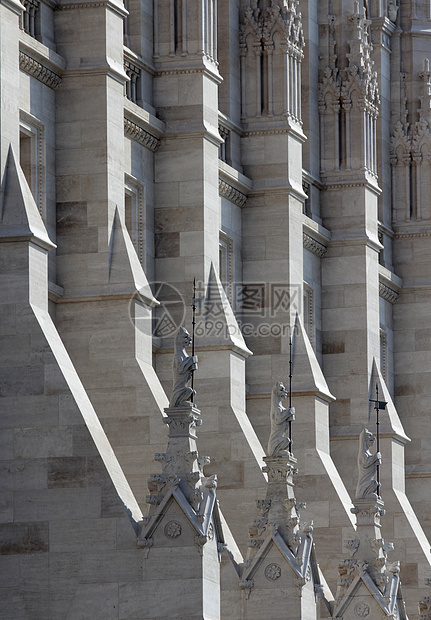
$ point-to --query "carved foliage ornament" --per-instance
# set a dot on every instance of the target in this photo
(412, 140)
(282, 17)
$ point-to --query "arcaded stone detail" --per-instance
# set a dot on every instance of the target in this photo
(275, 35)
(232, 194)
(387, 293)
(39, 71)
(313, 246)
(410, 153)
(140, 135)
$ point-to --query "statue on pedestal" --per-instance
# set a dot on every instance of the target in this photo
(367, 486)
(279, 444)
(183, 366)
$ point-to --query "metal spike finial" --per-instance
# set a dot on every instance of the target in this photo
(378, 406)
(193, 334)
(290, 393)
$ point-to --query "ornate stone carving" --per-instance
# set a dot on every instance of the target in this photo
(360, 70)
(352, 545)
(273, 572)
(140, 135)
(279, 444)
(39, 71)
(231, 194)
(275, 34)
(183, 366)
(182, 479)
(367, 486)
(400, 138)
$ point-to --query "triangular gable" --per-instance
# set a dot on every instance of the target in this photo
(387, 604)
(298, 563)
(199, 521)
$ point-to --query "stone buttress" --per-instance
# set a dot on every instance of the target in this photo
(280, 572)
(182, 535)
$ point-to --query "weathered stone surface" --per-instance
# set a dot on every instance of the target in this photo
(143, 165)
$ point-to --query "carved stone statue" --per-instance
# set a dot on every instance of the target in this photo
(367, 487)
(278, 444)
(183, 366)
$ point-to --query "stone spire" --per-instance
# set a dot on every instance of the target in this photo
(368, 581)
(182, 467)
(183, 513)
(280, 549)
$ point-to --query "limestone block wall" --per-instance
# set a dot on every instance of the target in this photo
(69, 518)
(167, 158)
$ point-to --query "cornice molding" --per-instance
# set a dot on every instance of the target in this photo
(110, 4)
(411, 235)
(140, 135)
(205, 70)
(231, 194)
(37, 70)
